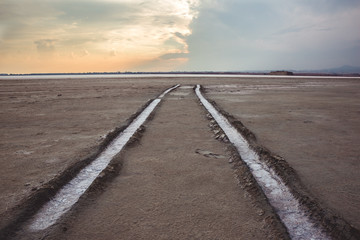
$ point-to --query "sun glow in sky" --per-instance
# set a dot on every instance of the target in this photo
(165, 35)
(82, 36)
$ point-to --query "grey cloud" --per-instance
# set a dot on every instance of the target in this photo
(172, 42)
(229, 36)
(45, 45)
(292, 29)
(179, 35)
(318, 58)
(30, 18)
(79, 23)
(250, 18)
(222, 36)
(22, 18)
(74, 40)
(328, 6)
(95, 12)
(110, 15)
(174, 56)
(23, 10)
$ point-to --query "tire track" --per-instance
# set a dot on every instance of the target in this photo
(172, 187)
(288, 208)
(71, 192)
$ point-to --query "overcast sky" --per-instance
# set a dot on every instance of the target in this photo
(167, 35)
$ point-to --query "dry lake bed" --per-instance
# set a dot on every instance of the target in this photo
(179, 178)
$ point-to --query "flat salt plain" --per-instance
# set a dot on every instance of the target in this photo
(313, 123)
(49, 123)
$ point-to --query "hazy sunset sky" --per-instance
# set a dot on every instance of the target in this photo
(164, 35)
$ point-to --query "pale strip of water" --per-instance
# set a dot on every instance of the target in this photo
(285, 204)
(72, 191)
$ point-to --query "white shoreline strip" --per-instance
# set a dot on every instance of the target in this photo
(103, 76)
(72, 191)
(285, 204)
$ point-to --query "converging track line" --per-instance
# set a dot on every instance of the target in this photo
(72, 191)
(285, 204)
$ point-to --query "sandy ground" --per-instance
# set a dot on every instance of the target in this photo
(313, 124)
(47, 125)
(168, 189)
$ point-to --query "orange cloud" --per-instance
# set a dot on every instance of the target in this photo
(94, 35)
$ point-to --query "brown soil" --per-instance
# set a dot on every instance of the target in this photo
(313, 125)
(50, 126)
(334, 226)
(176, 184)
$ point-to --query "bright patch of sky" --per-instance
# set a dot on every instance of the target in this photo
(166, 35)
(68, 35)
